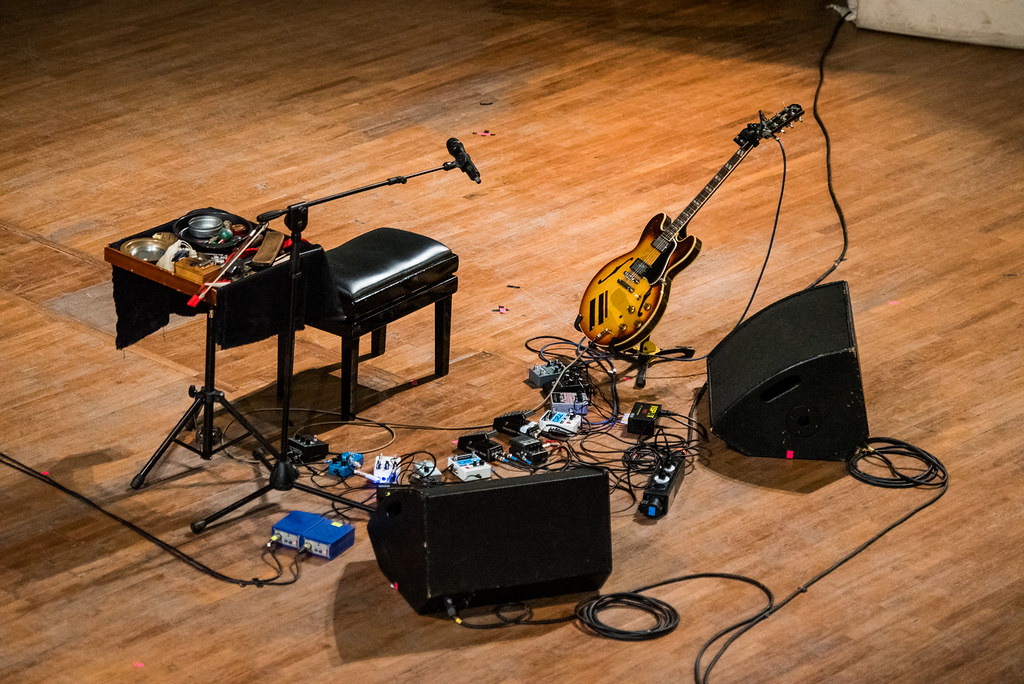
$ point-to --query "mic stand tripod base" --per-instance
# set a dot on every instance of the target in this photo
(283, 478)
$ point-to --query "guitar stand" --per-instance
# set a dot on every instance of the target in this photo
(647, 353)
(205, 399)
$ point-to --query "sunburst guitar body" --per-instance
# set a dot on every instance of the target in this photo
(628, 295)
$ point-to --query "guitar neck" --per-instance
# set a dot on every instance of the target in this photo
(704, 195)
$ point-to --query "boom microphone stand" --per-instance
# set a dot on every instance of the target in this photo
(284, 472)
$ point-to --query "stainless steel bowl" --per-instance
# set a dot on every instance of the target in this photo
(146, 249)
(205, 225)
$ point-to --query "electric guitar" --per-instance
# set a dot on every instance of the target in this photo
(628, 296)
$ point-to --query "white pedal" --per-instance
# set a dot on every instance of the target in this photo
(385, 469)
(469, 467)
(556, 422)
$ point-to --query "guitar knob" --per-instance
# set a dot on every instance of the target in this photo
(630, 309)
(647, 306)
(622, 326)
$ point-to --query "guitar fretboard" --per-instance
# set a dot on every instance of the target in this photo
(703, 196)
(748, 139)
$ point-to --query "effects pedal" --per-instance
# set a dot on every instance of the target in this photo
(573, 380)
(515, 423)
(545, 373)
(469, 467)
(345, 465)
(482, 445)
(570, 402)
(558, 423)
(529, 450)
(308, 448)
(385, 470)
(426, 471)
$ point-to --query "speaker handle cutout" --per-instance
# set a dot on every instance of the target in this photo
(777, 389)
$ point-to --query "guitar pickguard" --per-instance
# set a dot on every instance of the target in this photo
(620, 305)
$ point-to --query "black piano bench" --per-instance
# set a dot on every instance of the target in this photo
(381, 276)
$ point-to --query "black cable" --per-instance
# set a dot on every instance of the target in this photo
(771, 240)
(523, 616)
(666, 618)
(828, 150)
(15, 464)
(934, 474)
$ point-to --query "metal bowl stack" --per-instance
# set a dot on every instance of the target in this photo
(206, 226)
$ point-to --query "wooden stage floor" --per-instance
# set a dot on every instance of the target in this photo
(119, 116)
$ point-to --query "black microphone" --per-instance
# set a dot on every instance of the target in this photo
(458, 151)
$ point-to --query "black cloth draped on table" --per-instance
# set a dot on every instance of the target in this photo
(248, 310)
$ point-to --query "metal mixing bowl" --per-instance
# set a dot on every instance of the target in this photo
(146, 249)
(205, 225)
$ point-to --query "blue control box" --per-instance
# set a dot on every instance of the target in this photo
(316, 534)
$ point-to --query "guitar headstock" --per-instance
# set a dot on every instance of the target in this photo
(754, 133)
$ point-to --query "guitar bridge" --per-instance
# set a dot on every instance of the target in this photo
(626, 285)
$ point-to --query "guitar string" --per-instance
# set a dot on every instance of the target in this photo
(650, 253)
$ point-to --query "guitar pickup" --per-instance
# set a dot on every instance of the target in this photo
(626, 285)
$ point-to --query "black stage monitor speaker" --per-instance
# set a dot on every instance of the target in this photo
(786, 382)
(490, 541)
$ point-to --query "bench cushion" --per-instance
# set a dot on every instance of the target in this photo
(376, 268)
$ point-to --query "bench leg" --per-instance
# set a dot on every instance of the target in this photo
(378, 339)
(442, 335)
(349, 375)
